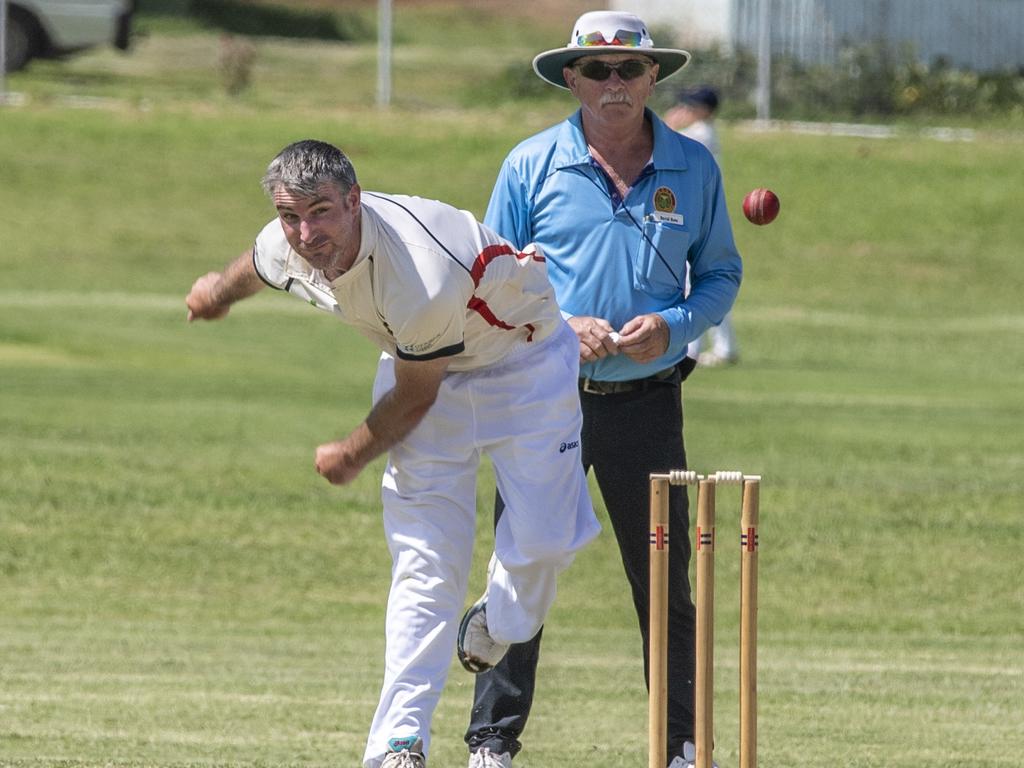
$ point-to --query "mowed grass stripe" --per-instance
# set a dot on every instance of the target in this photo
(777, 660)
(783, 315)
(749, 398)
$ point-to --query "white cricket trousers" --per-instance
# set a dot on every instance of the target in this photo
(524, 414)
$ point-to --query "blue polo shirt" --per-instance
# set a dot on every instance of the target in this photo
(667, 248)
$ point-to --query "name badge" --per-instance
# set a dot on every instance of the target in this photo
(667, 218)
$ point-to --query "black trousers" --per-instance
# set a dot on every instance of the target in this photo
(626, 436)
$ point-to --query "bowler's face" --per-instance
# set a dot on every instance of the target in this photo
(323, 229)
(613, 99)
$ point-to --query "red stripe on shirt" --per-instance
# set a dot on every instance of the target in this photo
(486, 256)
(478, 305)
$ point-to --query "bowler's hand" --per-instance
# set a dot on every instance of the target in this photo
(201, 301)
(336, 463)
(595, 337)
(644, 338)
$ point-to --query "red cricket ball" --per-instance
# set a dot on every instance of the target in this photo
(761, 206)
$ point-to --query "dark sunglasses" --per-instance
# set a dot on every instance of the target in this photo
(630, 69)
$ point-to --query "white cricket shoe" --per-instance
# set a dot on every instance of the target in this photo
(404, 752)
(476, 649)
(484, 758)
(689, 757)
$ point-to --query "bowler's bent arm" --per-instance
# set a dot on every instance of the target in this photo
(394, 416)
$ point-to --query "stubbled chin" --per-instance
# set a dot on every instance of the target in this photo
(318, 259)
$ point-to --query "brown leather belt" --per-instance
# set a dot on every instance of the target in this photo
(592, 387)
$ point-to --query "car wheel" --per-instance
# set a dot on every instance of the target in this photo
(20, 41)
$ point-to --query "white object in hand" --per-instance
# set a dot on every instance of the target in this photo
(614, 337)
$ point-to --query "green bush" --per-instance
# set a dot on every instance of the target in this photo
(257, 19)
(872, 81)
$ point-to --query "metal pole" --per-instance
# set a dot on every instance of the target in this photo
(3, 51)
(384, 53)
(764, 60)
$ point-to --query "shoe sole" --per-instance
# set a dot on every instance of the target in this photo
(470, 663)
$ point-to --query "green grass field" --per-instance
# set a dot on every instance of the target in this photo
(178, 587)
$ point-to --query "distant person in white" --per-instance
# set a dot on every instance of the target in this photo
(694, 117)
(477, 360)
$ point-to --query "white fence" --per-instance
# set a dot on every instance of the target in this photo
(982, 35)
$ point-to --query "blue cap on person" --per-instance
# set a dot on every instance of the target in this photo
(701, 96)
(602, 32)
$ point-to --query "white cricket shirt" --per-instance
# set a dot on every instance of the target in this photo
(429, 281)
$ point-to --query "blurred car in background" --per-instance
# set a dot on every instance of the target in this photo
(53, 28)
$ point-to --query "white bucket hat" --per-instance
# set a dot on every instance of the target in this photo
(603, 32)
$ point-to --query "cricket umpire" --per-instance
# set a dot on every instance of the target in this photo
(632, 219)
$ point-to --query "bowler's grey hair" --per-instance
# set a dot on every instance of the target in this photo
(305, 166)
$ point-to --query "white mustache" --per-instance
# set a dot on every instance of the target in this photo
(616, 98)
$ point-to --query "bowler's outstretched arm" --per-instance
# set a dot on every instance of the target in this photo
(213, 294)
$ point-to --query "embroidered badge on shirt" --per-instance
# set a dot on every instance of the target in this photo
(664, 200)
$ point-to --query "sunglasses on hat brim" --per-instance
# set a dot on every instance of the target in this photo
(621, 37)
